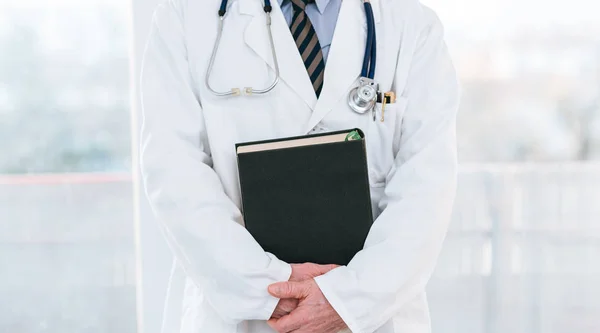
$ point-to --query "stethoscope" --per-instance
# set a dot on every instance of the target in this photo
(361, 99)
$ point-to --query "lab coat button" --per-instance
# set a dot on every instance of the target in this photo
(318, 129)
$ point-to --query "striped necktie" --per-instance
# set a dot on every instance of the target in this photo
(308, 44)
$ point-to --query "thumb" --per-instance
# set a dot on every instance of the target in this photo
(289, 289)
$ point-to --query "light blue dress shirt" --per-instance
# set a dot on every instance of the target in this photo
(323, 15)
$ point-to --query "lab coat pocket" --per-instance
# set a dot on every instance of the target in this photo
(380, 136)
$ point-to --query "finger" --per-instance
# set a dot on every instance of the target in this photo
(284, 307)
(288, 305)
(301, 272)
(289, 289)
(288, 323)
(274, 324)
(323, 269)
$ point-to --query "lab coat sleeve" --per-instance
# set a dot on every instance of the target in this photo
(404, 242)
(199, 221)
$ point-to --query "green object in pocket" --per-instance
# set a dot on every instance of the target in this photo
(353, 136)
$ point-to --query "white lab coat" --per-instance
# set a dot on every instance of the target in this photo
(189, 164)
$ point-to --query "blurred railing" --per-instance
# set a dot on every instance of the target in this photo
(523, 251)
(67, 258)
(522, 254)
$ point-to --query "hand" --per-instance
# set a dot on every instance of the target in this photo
(300, 272)
(314, 314)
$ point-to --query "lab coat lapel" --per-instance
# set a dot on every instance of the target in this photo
(345, 58)
(292, 70)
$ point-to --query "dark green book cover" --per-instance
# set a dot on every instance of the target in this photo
(307, 203)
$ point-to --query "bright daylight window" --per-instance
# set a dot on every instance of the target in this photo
(66, 232)
(521, 254)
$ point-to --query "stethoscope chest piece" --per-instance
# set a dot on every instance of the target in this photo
(363, 98)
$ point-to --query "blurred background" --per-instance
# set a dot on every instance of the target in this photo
(523, 251)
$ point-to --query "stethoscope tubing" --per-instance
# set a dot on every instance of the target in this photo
(248, 90)
(369, 60)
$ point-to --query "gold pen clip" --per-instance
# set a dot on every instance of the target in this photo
(388, 97)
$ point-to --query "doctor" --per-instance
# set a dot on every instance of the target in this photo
(302, 69)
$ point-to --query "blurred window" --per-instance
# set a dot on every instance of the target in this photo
(530, 72)
(66, 232)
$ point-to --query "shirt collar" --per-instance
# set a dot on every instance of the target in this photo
(321, 4)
